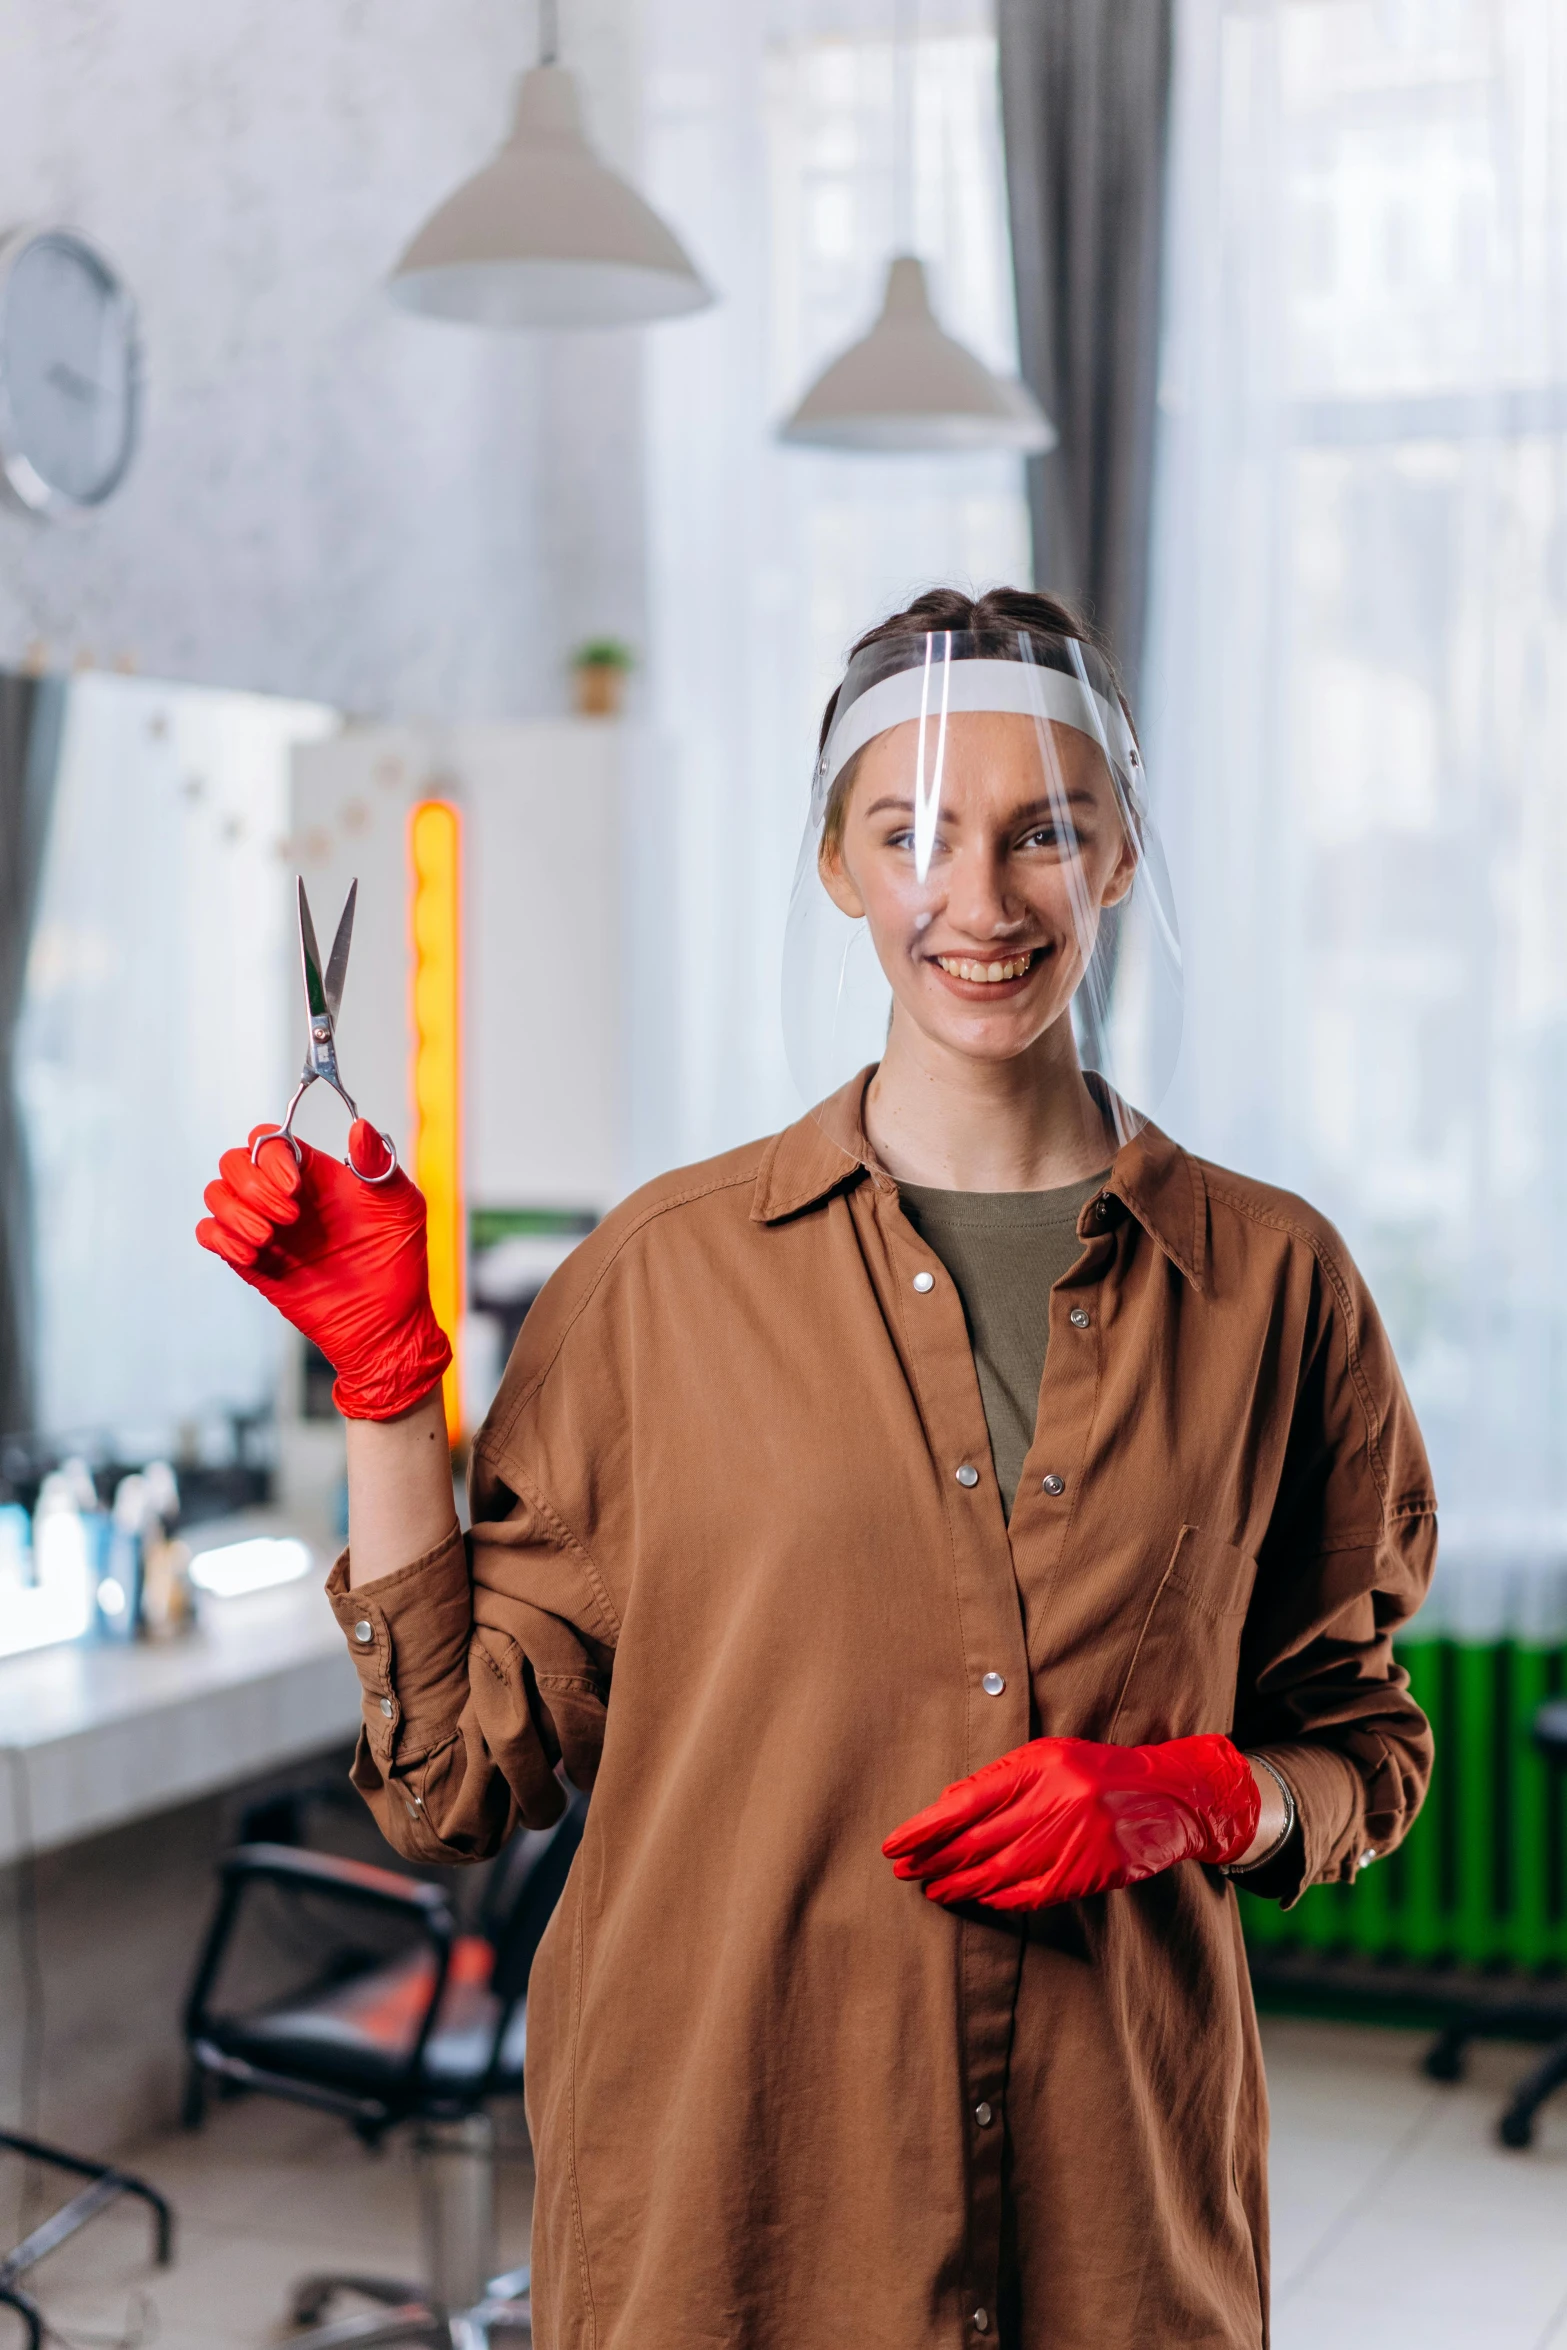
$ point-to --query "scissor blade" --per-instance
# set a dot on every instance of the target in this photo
(310, 956)
(337, 964)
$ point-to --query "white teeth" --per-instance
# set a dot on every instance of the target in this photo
(961, 967)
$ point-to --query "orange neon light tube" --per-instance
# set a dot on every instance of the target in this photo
(435, 875)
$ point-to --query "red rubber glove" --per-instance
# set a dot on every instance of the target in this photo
(344, 1260)
(1064, 1817)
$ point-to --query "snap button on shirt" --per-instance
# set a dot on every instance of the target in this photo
(1079, 1318)
(981, 2321)
(386, 1706)
(364, 1630)
(968, 1474)
(924, 1281)
(993, 1684)
(983, 2114)
(1053, 1483)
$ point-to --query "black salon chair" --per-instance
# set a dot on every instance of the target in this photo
(428, 2037)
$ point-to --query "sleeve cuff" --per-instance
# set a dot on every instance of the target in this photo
(408, 1634)
(1329, 1822)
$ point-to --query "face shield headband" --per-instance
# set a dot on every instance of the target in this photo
(945, 682)
(1086, 885)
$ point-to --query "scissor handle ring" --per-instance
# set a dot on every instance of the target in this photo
(386, 1175)
(276, 1134)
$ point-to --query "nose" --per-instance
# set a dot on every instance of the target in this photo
(978, 902)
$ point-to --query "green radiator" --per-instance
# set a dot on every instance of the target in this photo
(1481, 1879)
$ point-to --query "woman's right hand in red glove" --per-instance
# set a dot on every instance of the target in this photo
(344, 1259)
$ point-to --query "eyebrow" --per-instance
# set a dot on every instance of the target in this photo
(1047, 805)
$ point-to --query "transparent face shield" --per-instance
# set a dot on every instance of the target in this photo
(979, 862)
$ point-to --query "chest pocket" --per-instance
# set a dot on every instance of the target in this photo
(1181, 1680)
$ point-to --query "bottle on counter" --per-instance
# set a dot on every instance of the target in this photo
(168, 1599)
(70, 1544)
(18, 1594)
(16, 1549)
(120, 1584)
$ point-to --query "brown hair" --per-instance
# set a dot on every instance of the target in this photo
(1000, 612)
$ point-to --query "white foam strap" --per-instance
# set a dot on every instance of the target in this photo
(1016, 688)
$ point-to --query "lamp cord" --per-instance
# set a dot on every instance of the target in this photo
(549, 32)
(905, 44)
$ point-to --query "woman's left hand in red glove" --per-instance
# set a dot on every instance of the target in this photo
(1061, 1818)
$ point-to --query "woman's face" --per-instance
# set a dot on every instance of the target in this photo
(986, 952)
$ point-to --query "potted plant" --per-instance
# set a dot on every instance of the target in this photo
(599, 670)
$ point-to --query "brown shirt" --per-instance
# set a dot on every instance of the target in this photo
(1006, 1250)
(723, 1563)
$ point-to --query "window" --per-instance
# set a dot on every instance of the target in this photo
(1358, 696)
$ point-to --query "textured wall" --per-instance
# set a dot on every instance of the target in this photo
(331, 499)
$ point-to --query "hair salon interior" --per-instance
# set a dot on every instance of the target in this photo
(453, 449)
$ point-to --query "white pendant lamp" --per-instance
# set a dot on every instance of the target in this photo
(907, 386)
(547, 235)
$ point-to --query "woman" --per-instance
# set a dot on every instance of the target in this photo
(954, 1471)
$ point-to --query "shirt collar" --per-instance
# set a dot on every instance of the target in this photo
(818, 1153)
(826, 1150)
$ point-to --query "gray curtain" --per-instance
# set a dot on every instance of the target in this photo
(31, 715)
(1085, 88)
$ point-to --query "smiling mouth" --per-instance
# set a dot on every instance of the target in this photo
(987, 974)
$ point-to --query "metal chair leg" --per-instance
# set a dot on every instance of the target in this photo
(104, 2183)
(27, 2309)
(1516, 2127)
(456, 2164)
(1444, 2059)
(379, 2329)
(462, 2304)
(312, 2296)
(511, 2318)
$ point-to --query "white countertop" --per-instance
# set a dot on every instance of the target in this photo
(92, 1733)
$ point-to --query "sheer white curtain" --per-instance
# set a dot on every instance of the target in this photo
(772, 137)
(1358, 690)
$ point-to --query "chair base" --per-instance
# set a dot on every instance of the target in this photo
(407, 2315)
(104, 2184)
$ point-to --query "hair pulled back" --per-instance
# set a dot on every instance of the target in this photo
(1000, 615)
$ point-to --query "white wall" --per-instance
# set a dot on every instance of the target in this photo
(331, 500)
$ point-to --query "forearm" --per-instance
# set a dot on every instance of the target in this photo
(399, 1490)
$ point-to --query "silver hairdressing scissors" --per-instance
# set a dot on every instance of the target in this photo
(323, 994)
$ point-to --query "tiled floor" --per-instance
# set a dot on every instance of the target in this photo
(1399, 2224)
(1398, 2221)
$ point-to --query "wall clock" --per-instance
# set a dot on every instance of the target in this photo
(70, 372)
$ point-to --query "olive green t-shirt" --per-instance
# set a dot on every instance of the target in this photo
(1005, 1251)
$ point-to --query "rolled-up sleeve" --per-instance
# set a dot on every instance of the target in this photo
(484, 1665)
(1347, 1562)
